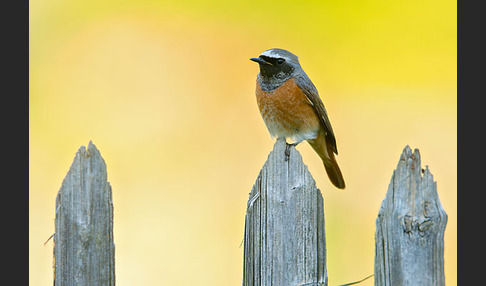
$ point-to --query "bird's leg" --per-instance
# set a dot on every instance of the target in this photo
(287, 148)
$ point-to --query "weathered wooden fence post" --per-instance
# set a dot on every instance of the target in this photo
(284, 242)
(84, 252)
(410, 228)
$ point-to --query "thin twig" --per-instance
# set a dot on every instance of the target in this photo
(356, 282)
(49, 239)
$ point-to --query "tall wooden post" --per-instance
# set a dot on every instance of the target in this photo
(410, 228)
(284, 241)
(84, 252)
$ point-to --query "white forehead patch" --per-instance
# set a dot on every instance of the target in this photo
(273, 54)
(277, 53)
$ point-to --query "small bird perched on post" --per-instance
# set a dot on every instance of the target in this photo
(291, 107)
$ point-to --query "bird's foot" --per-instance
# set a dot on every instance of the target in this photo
(287, 149)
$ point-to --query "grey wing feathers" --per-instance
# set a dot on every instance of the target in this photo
(304, 82)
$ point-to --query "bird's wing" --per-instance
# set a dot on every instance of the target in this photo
(310, 91)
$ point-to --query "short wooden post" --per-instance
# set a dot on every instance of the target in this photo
(284, 242)
(84, 252)
(410, 228)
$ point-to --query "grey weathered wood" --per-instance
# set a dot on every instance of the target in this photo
(284, 241)
(84, 252)
(410, 227)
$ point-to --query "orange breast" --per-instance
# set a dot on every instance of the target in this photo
(287, 112)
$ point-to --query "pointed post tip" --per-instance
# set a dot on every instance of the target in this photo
(92, 147)
(407, 153)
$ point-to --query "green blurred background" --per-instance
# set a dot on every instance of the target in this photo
(165, 90)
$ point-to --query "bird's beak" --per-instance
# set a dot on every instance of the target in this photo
(261, 61)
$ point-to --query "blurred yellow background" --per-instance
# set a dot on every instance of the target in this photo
(165, 89)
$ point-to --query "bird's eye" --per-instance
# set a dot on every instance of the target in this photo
(280, 61)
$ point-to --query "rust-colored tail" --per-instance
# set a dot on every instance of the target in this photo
(324, 150)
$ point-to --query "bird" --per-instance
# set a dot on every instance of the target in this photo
(291, 108)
